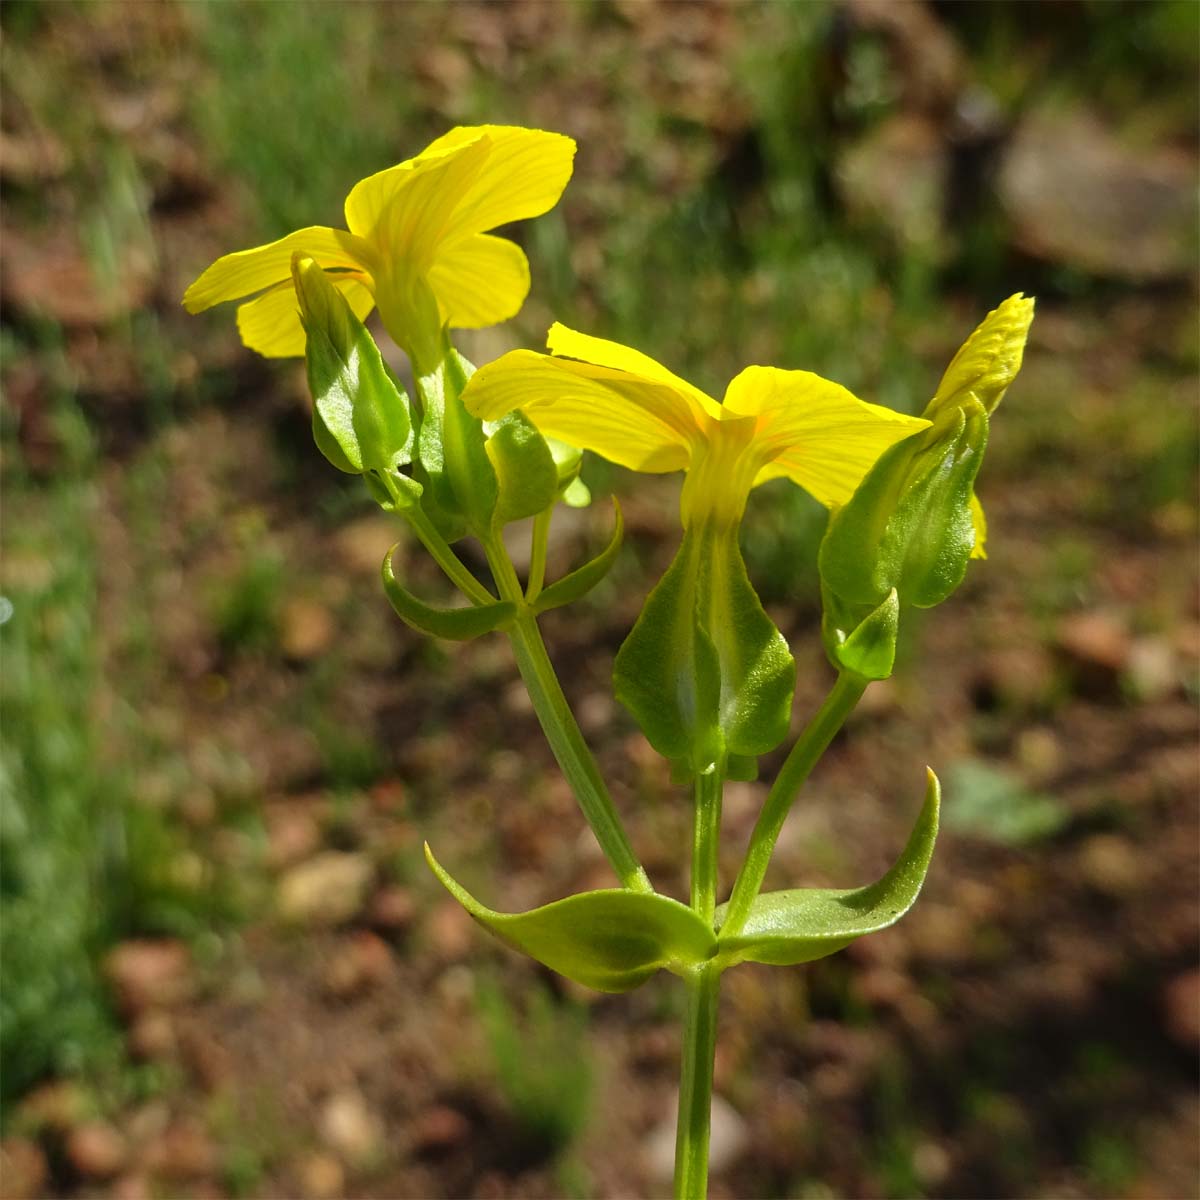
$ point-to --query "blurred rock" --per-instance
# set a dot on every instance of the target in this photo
(1151, 668)
(293, 833)
(54, 1107)
(306, 629)
(450, 930)
(329, 889)
(1097, 644)
(728, 1137)
(24, 1173)
(1019, 677)
(897, 177)
(32, 158)
(152, 1036)
(1077, 195)
(362, 962)
(96, 1150)
(134, 1186)
(321, 1177)
(184, 1150)
(149, 974)
(392, 909)
(1110, 864)
(439, 1129)
(1181, 1008)
(348, 1126)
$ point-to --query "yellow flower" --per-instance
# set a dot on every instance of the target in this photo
(629, 409)
(415, 243)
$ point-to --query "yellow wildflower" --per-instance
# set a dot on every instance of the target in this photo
(415, 243)
(623, 405)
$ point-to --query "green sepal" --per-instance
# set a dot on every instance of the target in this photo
(581, 581)
(804, 924)
(460, 481)
(909, 524)
(869, 650)
(611, 940)
(704, 671)
(362, 419)
(453, 624)
(526, 473)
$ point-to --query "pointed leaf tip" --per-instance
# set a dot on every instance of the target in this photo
(581, 581)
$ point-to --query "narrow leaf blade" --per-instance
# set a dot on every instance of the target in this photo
(581, 581)
(803, 924)
(453, 624)
(611, 940)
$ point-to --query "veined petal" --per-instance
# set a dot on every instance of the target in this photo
(249, 271)
(271, 324)
(480, 280)
(567, 343)
(635, 422)
(408, 209)
(814, 431)
(523, 176)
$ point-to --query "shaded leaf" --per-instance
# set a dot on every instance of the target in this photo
(454, 624)
(581, 581)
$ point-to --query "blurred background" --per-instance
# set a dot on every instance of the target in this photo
(226, 970)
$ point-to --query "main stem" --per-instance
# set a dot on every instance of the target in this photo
(804, 755)
(700, 1024)
(559, 725)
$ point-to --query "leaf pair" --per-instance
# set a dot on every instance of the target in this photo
(614, 939)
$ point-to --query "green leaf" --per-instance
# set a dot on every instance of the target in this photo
(581, 581)
(526, 473)
(361, 417)
(454, 624)
(456, 469)
(611, 940)
(870, 649)
(797, 926)
(704, 670)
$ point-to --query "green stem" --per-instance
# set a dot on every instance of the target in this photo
(804, 755)
(695, 1085)
(537, 554)
(706, 833)
(446, 558)
(560, 728)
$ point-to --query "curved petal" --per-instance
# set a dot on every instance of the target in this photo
(567, 343)
(523, 176)
(271, 324)
(637, 423)
(412, 204)
(480, 281)
(815, 431)
(248, 271)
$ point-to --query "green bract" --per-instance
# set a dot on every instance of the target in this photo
(611, 940)
(581, 581)
(705, 672)
(453, 624)
(803, 924)
(362, 421)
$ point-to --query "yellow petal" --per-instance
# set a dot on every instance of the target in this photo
(636, 422)
(248, 271)
(411, 205)
(568, 343)
(980, 523)
(480, 280)
(271, 324)
(988, 361)
(523, 176)
(814, 431)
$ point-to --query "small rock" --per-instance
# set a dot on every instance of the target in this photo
(183, 1151)
(728, 1136)
(23, 1170)
(450, 931)
(152, 1036)
(1181, 1005)
(392, 909)
(306, 629)
(149, 974)
(439, 1129)
(293, 833)
(1095, 639)
(361, 963)
(329, 889)
(96, 1150)
(348, 1126)
(1110, 864)
(1151, 668)
(321, 1177)
(54, 1107)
